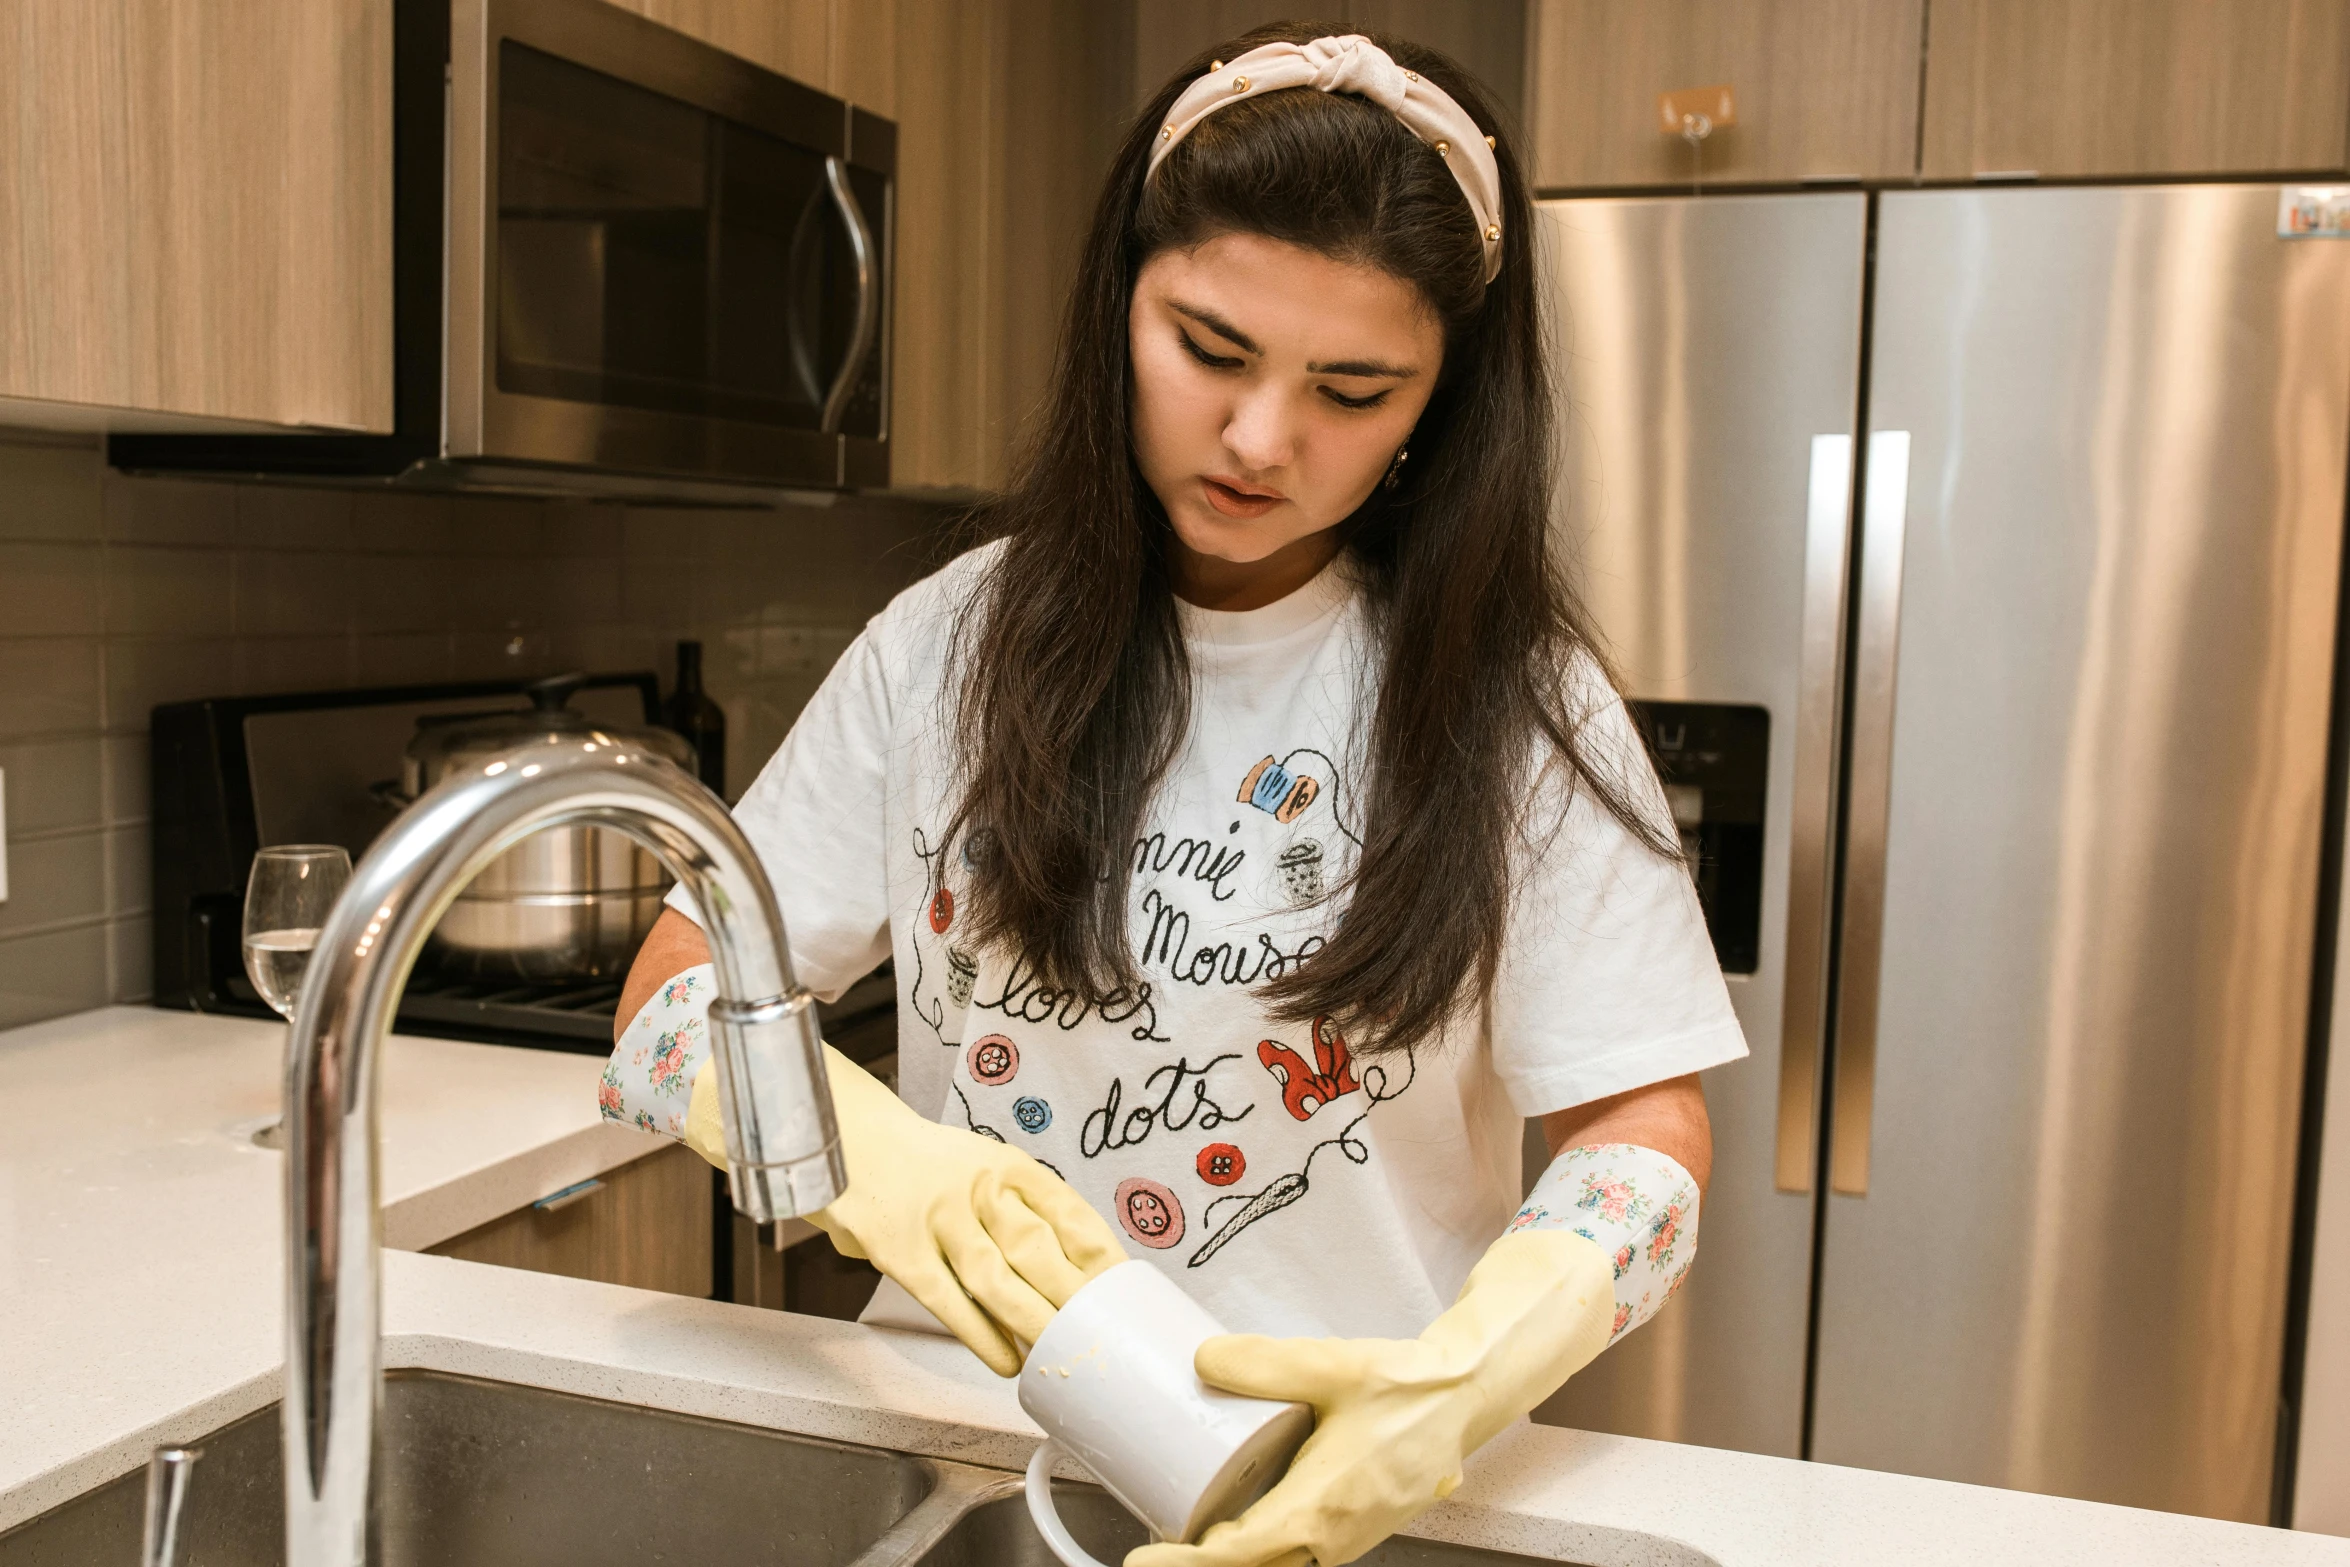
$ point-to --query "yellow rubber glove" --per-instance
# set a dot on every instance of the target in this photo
(1394, 1418)
(988, 1240)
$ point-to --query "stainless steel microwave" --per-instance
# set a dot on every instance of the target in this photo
(625, 262)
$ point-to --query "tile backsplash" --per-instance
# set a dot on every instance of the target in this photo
(118, 593)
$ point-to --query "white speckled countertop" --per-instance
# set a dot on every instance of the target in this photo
(140, 1242)
(140, 1280)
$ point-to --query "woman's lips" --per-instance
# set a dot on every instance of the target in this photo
(1234, 501)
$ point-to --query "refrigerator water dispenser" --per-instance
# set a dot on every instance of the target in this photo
(1714, 760)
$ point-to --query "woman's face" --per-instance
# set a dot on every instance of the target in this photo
(1272, 387)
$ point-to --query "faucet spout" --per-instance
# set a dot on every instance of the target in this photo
(783, 1150)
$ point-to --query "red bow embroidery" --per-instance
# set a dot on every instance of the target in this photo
(1303, 1092)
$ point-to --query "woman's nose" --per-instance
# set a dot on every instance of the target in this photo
(1262, 433)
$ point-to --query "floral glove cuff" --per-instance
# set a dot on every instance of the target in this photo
(1637, 1205)
(649, 1082)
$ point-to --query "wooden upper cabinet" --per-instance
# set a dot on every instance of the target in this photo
(196, 216)
(1826, 89)
(844, 47)
(861, 55)
(2083, 88)
(1008, 113)
(1487, 37)
(946, 334)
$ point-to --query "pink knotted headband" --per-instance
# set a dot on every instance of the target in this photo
(1354, 64)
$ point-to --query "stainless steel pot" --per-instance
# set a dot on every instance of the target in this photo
(567, 903)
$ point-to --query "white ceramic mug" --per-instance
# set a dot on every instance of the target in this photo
(1112, 1384)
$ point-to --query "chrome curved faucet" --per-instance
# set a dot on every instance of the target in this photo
(783, 1151)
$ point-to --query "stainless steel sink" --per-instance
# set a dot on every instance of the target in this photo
(995, 1532)
(489, 1474)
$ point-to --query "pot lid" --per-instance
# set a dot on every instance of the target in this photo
(445, 742)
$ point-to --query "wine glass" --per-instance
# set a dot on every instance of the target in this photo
(286, 901)
(292, 887)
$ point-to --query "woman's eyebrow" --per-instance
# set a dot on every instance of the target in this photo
(1216, 324)
(1372, 367)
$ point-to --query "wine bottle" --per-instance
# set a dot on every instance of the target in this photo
(702, 721)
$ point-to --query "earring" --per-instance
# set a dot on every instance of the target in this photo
(1395, 469)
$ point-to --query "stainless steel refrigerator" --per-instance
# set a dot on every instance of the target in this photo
(1998, 530)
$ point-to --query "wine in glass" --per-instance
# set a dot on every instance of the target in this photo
(286, 901)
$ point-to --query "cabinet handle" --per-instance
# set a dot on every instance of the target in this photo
(868, 323)
(1812, 861)
(1853, 1089)
(556, 1202)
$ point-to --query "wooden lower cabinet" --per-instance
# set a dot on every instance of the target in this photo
(793, 1266)
(650, 1225)
(647, 1225)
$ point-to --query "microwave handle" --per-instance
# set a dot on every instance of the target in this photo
(868, 324)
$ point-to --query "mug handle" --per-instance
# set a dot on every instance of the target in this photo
(1048, 1519)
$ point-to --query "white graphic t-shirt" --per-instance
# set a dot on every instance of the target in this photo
(1291, 1184)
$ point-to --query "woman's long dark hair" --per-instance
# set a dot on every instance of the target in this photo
(1075, 684)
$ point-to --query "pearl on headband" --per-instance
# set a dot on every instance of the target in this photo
(1354, 64)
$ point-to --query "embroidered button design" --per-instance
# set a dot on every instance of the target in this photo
(1220, 1164)
(992, 1059)
(1304, 1090)
(1033, 1114)
(942, 910)
(1149, 1213)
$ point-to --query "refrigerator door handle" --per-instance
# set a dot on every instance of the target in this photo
(1852, 1087)
(1811, 868)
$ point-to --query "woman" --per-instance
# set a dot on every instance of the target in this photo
(1253, 825)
